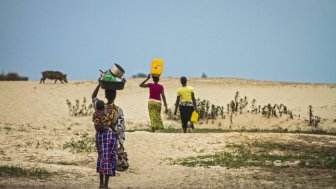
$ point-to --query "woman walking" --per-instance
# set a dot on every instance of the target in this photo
(109, 124)
(156, 92)
(186, 103)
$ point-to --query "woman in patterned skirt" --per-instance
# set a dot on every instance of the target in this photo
(109, 124)
(156, 92)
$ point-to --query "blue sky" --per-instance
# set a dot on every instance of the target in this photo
(282, 40)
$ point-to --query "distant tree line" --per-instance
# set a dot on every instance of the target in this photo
(140, 75)
(11, 76)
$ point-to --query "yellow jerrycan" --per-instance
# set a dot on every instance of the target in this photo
(194, 117)
(156, 67)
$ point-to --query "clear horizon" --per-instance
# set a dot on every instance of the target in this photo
(288, 41)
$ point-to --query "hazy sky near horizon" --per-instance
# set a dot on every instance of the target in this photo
(283, 40)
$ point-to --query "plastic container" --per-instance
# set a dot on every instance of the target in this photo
(109, 77)
(156, 67)
(194, 117)
(112, 85)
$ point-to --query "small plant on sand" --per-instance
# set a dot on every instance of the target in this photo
(282, 110)
(236, 105)
(7, 128)
(79, 108)
(275, 110)
(310, 114)
(243, 102)
(208, 110)
(254, 108)
(313, 119)
(203, 107)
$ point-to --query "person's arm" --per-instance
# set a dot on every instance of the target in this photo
(194, 101)
(164, 100)
(95, 92)
(176, 104)
(143, 84)
(94, 96)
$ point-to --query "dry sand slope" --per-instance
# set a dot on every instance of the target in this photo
(35, 125)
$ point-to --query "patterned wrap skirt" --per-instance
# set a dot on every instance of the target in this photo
(154, 109)
(106, 144)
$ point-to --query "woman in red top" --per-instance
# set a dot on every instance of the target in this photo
(156, 92)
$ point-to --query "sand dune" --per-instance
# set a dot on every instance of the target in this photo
(35, 124)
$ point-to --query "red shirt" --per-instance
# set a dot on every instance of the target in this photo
(155, 91)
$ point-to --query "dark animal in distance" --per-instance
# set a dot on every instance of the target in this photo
(56, 75)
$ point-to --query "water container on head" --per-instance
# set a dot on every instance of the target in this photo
(157, 67)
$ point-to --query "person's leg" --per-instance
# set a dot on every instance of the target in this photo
(101, 178)
(99, 146)
(190, 127)
(151, 116)
(184, 120)
(157, 116)
(189, 110)
(160, 122)
(184, 130)
(107, 177)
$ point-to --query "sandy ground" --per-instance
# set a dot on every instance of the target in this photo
(35, 124)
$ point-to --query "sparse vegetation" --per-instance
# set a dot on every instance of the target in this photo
(16, 171)
(276, 110)
(79, 108)
(220, 130)
(84, 144)
(7, 128)
(209, 111)
(259, 154)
